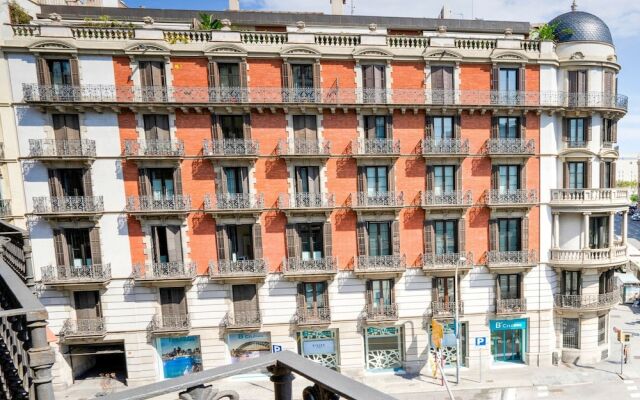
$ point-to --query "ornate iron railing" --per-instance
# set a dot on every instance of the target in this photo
(298, 266)
(590, 256)
(590, 196)
(242, 319)
(306, 200)
(153, 148)
(78, 328)
(523, 257)
(509, 306)
(586, 301)
(173, 270)
(381, 312)
(312, 316)
(5, 207)
(445, 308)
(155, 204)
(234, 201)
(373, 147)
(379, 199)
(53, 274)
(445, 146)
(447, 261)
(230, 147)
(43, 148)
(496, 197)
(457, 198)
(68, 205)
(503, 146)
(300, 147)
(239, 268)
(392, 263)
(169, 323)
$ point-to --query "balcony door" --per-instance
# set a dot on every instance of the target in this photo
(571, 283)
(375, 127)
(578, 87)
(229, 75)
(173, 303)
(374, 83)
(305, 133)
(87, 305)
(237, 180)
(508, 128)
(167, 244)
(302, 76)
(307, 180)
(598, 232)
(162, 183)
(156, 127)
(445, 235)
(576, 131)
(576, 173)
(444, 290)
(607, 282)
(508, 80)
(377, 180)
(509, 287)
(311, 241)
(152, 73)
(508, 178)
(245, 303)
(379, 234)
(314, 296)
(444, 179)
(65, 182)
(509, 234)
(241, 242)
(232, 126)
(380, 294)
(443, 129)
(66, 127)
(60, 72)
(78, 247)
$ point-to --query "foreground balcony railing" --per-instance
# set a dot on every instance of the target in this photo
(376, 147)
(33, 92)
(378, 199)
(507, 259)
(159, 204)
(297, 267)
(234, 202)
(590, 257)
(72, 275)
(230, 148)
(153, 148)
(511, 306)
(242, 320)
(447, 262)
(68, 205)
(83, 328)
(379, 313)
(57, 148)
(165, 271)
(297, 201)
(445, 309)
(515, 197)
(586, 302)
(169, 323)
(5, 208)
(445, 147)
(372, 265)
(506, 147)
(304, 148)
(238, 270)
(605, 197)
(438, 199)
(313, 316)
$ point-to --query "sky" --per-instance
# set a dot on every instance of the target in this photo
(622, 16)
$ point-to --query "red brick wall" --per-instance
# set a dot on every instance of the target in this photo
(264, 72)
(190, 72)
(338, 74)
(122, 71)
(475, 77)
(407, 75)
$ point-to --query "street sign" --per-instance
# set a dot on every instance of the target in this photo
(276, 348)
(481, 341)
(437, 332)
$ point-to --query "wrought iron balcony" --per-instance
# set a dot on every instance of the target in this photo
(176, 204)
(297, 268)
(376, 147)
(55, 149)
(301, 202)
(511, 147)
(447, 262)
(380, 265)
(66, 206)
(173, 272)
(70, 275)
(445, 147)
(143, 149)
(304, 148)
(313, 316)
(166, 324)
(234, 202)
(381, 313)
(5, 208)
(234, 148)
(590, 257)
(511, 306)
(453, 199)
(446, 309)
(242, 320)
(240, 270)
(511, 198)
(377, 200)
(83, 329)
(586, 302)
(590, 197)
(511, 259)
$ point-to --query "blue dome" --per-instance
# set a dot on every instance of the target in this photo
(579, 26)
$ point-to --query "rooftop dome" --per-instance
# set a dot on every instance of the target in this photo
(580, 26)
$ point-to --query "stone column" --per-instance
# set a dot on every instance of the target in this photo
(585, 230)
(625, 227)
(281, 378)
(41, 355)
(556, 230)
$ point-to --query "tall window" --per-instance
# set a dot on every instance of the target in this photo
(508, 178)
(607, 177)
(87, 305)
(305, 128)
(373, 76)
(445, 289)
(166, 243)
(598, 232)
(71, 181)
(311, 241)
(241, 241)
(173, 302)
(232, 126)
(442, 128)
(509, 286)
(577, 175)
(608, 129)
(606, 282)
(570, 283)
(602, 329)
(66, 127)
(375, 126)
(237, 179)
(577, 136)
(302, 75)
(245, 303)
(162, 184)
(315, 295)
(60, 72)
(509, 234)
(152, 73)
(508, 127)
(379, 238)
(377, 180)
(444, 179)
(571, 333)
(229, 75)
(156, 127)
(446, 233)
(381, 295)
(79, 247)
(508, 80)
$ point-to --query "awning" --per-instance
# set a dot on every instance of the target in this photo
(628, 278)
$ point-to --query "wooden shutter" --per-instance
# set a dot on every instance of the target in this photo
(145, 73)
(588, 127)
(292, 241)
(565, 175)
(94, 239)
(608, 82)
(150, 127)
(524, 233)
(447, 75)
(362, 179)
(523, 126)
(369, 292)
(75, 74)
(214, 76)
(314, 179)
(391, 178)
(437, 78)
(493, 235)
(177, 181)
(428, 127)
(246, 126)
(389, 126)
(167, 303)
(395, 237)
(495, 76)
(457, 127)
(327, 239)
(458, 177)
(44, 78)
(368, 81)
(614, 131)
(299, 131)
(174, 243)
(257, 241)
(60, 246)
(220, 180)
(55, 183)
(565, 129)
(434, 290)
(157, 73)
(523, 176)
(316, 74)
(614, 177)
(286, 75)
(242, 71)
(162, 127)
(155, 243)
(380, 76)
(495, 177)
(429, 176)
(494, 127)
(462, 236)
(370, 126)
(429, 245)
(300, 299)
(59, 126)
(87, 305)
(311, 128)
(216, 131)
(602, 174)
(222, 241)
(87, 183)
(363, 240)
(588, 173)
(522, 83)
(144, 184)
(244, 178)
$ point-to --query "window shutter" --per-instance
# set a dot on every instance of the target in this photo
(300, 297)
(428, 127)
(369, 292)
(316, 74)
(242, 66)
(565, 175)
(589, 175)
(523, 126)
(429, 177)
(244, 176)
(524, 232)
(614, 177)
(565, 129)
(177, 181)
(220, 181)
(286, 75)
(174, 243)
(60, 244)
(493, 235)
(87, 183)
(162, 127)
(156, 243)
(257, 241)
(434, 290)
(462, 237)
(216, 132)
(495, 74)
(327, 239)
(55, 186)
(395, 237)
(143, 182)
(457, 126)
(588, 123)
(368, 79)
(292, 248)
(222, 242)
(94, 239)
(522, 84)
(370, 126)
(59, 126)
(458, 177)
(362, 238)
(389, 123)
(494, 127)
(43, 72)
(214, 77)
(602, 173)
(391, 176)
(75, 74)
(362, 184)
(428, 238)
(150, 127)
(246, 126)
(523, 176)
(614, 131)
(494, 177)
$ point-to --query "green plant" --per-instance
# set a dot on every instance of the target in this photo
(548, 32)
(104, 21)
(173, 39)
(18, 15)
(207, 22)
(627, 184)
(634, 198)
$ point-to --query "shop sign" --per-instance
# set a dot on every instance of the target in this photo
(387, 331)
(180, 355)
(245, 345)
(319, 347)
(508, 324)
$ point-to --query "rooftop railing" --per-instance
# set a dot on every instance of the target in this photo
(68, 205)
(58, 148)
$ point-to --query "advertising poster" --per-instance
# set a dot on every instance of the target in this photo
(180, 355)
(245, 345)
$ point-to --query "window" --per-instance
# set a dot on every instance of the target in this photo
(598, 232)
(162, 184)
(379, 238)
(66, 127)
(578, 81)
(240, 239)
(384, 349)
(508, 178)
(307, 181)
(442, 128)
(441, 78)
(237, 179)
(232, 126)
(508, 127)
(173, 303)
(509, 286)
(444, 179)
(445, 290)
(577, 175)
(381, 294)
(373, 76)
(302, 75)
(305, 128)
(608, 177)
(508, 80)
(60, 72)
(570, 333)
(229, 74)
(602, 329)
(156, 127)
(314, 295)
(311, 241)
(152, 73)
(245, 304)
(167, 244)
(509, 234)
(446, 233)
(71, 180)
(87, 306)
(377, 180)
(609, 127)
(606, 283)
(79, 247)
(576, 132)
(570, 283)
(375, 126)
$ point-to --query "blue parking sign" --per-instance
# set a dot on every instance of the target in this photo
(481, 341)
(276, 348)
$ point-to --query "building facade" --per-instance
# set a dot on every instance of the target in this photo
(197, 197)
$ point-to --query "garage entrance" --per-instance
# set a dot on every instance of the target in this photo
(102, 364)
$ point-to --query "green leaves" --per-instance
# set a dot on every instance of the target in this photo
(548, 32)
(208, 23)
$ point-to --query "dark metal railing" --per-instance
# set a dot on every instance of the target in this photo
(153, 148)
(381, 312)
(65, 274)
(312, 316)
(242, 319)
(297, 266)
(43, 148)
(172, 270)
(68, 205)
(159, 204)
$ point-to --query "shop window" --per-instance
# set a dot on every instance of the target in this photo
(320, 346)
(571, 333)
(383, 348)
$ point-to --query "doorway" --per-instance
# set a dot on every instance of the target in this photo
(507, 345)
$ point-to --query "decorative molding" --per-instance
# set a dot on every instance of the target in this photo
(53, 47)
(226, 50)
(441, 55)
(509, 56)
(372, 53)
(578, 55)
(147, 49)
(300, 51)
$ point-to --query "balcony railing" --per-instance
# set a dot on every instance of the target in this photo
(511, 306)
(377, 312)
(242, 320)
(378, 199)
(576, 144)
(159, 204)
(456, 198)
(5, 207)
(593, 257)
(74, 205)
(234, 201)
(304, 148)
(229, 269)
(153, 148)
(230, 148)
(169, 323)
(165, 271)
(306, 201)
(445, 308)
(70, 274)
(504, 146)
(82, 328)
(376, 147)
(381, 264)
(57, 148)
(299, 267)
(586, 302)
(33, 92)
(511, 258)
(590, 197)
(497, 197)
(313, 316)
(447, 261)
(445, 147)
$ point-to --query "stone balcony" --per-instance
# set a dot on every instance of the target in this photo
(376, 313)
(506, 261)
(586, 302)
(445, 148)
(370, 267)
(300, 203)
(169, 324)
(59, 149)
(153, 149)
(238, 271)
(234, 203)
(231, 148)
(68, 206)
(297, 269)
(81, 277)
(377, 201)
(445, 309)
(173, 273)
(589, 258)
(177, 205)
(375, 148)
(312, 316)
(504, 147)
(305, 149)
(249, 320)
(446, 264)
(83, 329)
(518, 198)
(511, 306)
(572, 198)
(457, 199)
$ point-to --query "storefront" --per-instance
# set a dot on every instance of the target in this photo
(449, 342)
(383, 348)
(320, 346)
(245, 345)
(508, 339)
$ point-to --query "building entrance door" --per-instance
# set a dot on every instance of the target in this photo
(507, 345)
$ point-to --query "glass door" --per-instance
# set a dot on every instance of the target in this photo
(507, 345)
